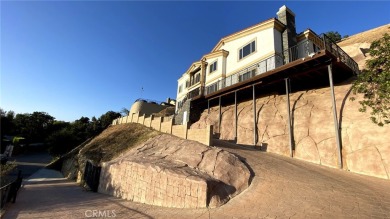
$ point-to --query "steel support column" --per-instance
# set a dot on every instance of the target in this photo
(235, 115)
(335, 120)
(208, 106)
(287, 81)
(254, 116)
(220, 116)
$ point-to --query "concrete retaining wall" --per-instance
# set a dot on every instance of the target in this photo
(135, 182)
(148, 122)
(156, 123)
(166, 127)
(199, 135)
(202, 135)
(180, 131)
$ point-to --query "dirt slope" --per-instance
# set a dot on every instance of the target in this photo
(357, 45)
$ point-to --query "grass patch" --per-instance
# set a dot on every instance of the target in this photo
(115, 140)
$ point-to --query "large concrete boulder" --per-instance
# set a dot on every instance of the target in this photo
(172, 172)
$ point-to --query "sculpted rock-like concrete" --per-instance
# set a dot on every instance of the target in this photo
(172, 172)
(365, 146)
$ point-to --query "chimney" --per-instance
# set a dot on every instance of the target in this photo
(287, 17)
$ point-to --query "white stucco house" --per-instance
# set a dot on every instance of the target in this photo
(247, 54)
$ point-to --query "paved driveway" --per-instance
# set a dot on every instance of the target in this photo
(281, 188)
(30, 162)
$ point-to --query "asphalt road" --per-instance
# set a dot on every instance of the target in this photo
(31, 162)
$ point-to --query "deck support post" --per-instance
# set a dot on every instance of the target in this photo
(287, 82)
(254, 116)
(208, 106)
(335, 120)
(220, 115)
(235, 116)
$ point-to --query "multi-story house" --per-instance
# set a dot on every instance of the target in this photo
(265, 52)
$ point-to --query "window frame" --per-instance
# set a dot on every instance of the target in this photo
(215, 67)
(251, 49)
(180, 88)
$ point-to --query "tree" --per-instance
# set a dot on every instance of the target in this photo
(124, 111)
(333, 35)
(374, 82)
(106, 119)
(7, 122)
(35, 127)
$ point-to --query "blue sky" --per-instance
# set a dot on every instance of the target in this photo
(84, 58)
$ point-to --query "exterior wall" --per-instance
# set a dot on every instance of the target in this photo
(200, 135)
(135, 117)
(146, 108)
(180, 118)
(148, 121)
(166, 127)
(135, 182)
(141, 119)
(180, 131)
(211, 77)
(265, 47)
(156, 123)
(278, 41)
(182, 82)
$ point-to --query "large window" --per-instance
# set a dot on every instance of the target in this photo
(180, 88)
(195, 78)
(213, 67)
(247, 50)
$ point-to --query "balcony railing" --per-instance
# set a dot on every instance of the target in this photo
(194, 93)
(340, 54)
(246, 74)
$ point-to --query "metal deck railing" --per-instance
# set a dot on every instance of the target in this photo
(333, 48)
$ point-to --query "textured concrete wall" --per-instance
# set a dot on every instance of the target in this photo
(179, 131)
(141, 119)
(135, 117)
(156, 123)
(148, 121)
(149, 185)
(200, 135)
(365, 146)
(166, 127)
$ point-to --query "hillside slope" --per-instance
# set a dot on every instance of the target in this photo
(357, 45)
(134, 156)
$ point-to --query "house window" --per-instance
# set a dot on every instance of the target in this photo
(180, 88)
(213, 67)
(195, 78)
(247, 50)
(187, 83)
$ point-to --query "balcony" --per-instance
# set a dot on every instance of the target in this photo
(306, 48)
(246, 74)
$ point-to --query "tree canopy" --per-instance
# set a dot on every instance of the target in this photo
(334, 36)
(60, 136)
(374, 82)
